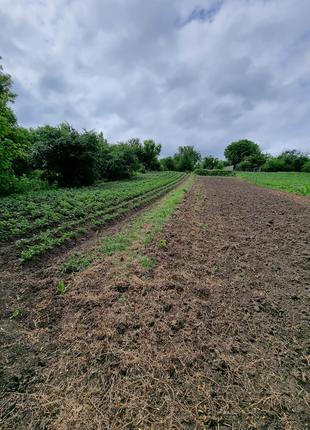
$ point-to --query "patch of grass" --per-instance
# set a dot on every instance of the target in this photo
(293, 182)
(154, 219)
(76, 264)
(115, 243)
(147, 263)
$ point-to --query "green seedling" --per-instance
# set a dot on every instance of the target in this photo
(203, 226)
(163, 243)
(147, 264)
(76, 264)
(123, 298)
(61, 287)
(16, 313)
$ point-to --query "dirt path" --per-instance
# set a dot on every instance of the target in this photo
(215, 337)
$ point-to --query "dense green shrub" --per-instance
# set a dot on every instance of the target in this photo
(68, 157)
(306, 167)
(121, 162)
(288, 161)
(214, 172)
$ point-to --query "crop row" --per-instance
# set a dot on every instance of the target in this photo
(23, 216)
(46, 241)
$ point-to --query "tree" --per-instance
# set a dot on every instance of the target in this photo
(187, 158)
(151, 151)
(168, 163)
(238, 151)
(69, 158)
(121, 162)
(294, 160)
(211, 163)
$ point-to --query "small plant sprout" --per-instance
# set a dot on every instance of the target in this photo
(61, 287)
(163, 243)
(123, 298)
(147, 264)
(16, 313)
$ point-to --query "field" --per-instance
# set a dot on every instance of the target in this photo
(45, 220)
(183, 303)
(293, 182)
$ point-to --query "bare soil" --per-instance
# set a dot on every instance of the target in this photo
(217, 336)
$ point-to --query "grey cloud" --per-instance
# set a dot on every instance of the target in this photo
(233, 69)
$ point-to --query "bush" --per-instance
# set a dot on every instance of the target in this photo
(121, 162)
(215, 172)
(11, 184)
(306, 167)
(68, 158)
(274, 165)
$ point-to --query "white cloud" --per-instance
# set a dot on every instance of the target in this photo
(127, 68)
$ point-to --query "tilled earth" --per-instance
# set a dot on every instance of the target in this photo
(216, 336)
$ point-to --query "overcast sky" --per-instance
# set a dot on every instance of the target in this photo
(182, 72)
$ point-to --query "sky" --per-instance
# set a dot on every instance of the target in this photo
(182, 72)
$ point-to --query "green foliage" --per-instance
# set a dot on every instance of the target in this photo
(61, 287)
(76, 264)
(16, 313)
(294, 182)
(147, 264)
(288, 161)
(121, 162)
(241, 150)
(163, 243)
(47, 219)
(168, 163)
(186, 158)
(211, 163)
(123, 298)
(306, 167)
(204, 172)
(68, 157)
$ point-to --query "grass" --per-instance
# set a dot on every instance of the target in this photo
(293, 182)
(146, 226)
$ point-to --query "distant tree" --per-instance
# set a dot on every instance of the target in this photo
(151, 151)
(121, 162)
(168, 163)
(306, 167)
(186, 158)
(288, 161)
(238, 151)
(211, 162)
(294, 160)
(68, 157)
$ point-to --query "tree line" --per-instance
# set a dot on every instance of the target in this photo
(62, 156)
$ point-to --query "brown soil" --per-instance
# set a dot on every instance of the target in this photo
(215, 337)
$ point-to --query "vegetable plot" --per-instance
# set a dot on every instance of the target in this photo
(41, 221)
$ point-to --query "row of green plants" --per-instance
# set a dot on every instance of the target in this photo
(214, 172)
(52, 218)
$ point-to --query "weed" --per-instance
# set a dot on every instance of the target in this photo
(163, 243)
(123, 298)
(16, 313)
(147, 264)
(76, 264)
(61, 287)
(203, 226)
